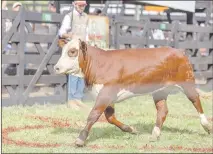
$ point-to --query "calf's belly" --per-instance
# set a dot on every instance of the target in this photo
(124, 94)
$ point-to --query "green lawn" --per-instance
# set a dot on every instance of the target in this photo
(181, 132)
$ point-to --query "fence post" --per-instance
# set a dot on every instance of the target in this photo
(113, 32)
(117, 33)
(174, 31)
(34, 9)
(176, 35)
(145, 34)
(21, 47)
(208, 12)
(111, 28)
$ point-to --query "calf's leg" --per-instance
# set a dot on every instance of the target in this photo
(162, 111)
(193, 96)
(105, 97)
(110, 116)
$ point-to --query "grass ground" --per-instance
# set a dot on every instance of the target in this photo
(54, 128)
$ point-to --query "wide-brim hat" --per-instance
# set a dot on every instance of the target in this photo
(80, 2)
(17, 4)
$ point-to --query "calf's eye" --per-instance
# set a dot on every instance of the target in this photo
(72, 53)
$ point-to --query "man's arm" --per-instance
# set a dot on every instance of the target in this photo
(65, 26)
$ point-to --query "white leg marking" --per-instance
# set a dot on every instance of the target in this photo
(156, 131)
(203, 119)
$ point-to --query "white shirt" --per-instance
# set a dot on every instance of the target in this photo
(8, 22)
(66, 25)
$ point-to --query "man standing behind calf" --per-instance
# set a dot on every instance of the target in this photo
(75, 24)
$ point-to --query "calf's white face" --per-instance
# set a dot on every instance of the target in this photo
(68, 62)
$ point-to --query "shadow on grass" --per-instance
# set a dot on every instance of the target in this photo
(111, 131)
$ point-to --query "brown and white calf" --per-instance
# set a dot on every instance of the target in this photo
(117, 75)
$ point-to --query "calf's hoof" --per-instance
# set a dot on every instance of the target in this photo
(154, 138)
(208, 128)
(129, 129)
(155, 134)
(79, 142)
(133, 130)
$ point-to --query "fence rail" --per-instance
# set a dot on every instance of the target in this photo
(34, 16)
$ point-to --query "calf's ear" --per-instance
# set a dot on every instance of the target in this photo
(82, 45)
(62, 42)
